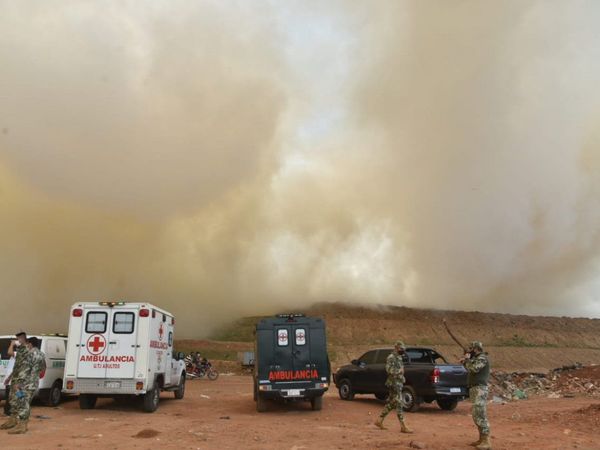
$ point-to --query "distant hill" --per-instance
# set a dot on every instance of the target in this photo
(514, 341)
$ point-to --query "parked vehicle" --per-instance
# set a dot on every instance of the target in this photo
(122, 350)
(50, 386)
(291, 360)
(428, 376)
(205, 369)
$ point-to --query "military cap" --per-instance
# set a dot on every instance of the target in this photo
(400, 344)
(476, 345)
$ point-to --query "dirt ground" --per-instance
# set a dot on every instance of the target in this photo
(221, 415)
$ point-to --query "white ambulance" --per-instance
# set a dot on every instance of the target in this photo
(120, 350)
(51, 380)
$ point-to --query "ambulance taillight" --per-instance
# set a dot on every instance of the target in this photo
(70, 384)
(139, 385)
(144, 312)
(77, 312)
(42, 374)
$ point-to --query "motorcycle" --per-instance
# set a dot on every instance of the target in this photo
(203, 370)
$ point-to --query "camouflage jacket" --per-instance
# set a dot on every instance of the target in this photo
(394, 368)
(34, 366)
(479, 370)
(20, 362)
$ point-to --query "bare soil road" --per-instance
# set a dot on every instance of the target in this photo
(221, 415)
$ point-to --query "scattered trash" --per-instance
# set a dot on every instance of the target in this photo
(225, 417)
(566, 381)
(43, 417)
(204, 396)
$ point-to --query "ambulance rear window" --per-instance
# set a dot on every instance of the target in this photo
(4, 344)
(96, 322)
(282, 337)
(123, 323)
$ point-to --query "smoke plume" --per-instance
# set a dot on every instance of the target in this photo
(219, 159)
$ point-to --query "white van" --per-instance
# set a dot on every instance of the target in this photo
(119, 349)
(51, 381)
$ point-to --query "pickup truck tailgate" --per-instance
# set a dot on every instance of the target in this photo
(452, 375)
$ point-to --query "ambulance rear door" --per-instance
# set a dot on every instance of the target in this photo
(93, 342)
(122, 343)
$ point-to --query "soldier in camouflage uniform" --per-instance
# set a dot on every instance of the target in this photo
(478, 365)
(27, 382)
(395, 381)
(20, 359)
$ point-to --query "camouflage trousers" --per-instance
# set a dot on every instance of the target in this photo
(21, 407)
(394, 401)
(478, 396)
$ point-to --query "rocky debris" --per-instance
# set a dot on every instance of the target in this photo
(146, 433)
(417, 444)
(566, 381)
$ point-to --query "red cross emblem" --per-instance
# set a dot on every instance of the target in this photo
(96, 344)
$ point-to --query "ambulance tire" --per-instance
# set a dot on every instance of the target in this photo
(151, 399)
(54, 394)
(261, 403)
(87, 401)
(316, 403)
(180, 392)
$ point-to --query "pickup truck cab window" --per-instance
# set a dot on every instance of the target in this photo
(419, 356)
(382, 356)
(368, 358)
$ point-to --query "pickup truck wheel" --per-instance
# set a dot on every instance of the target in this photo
(410, 400)
(316, 403)
(447, 404)
(381, 396)
(180, 392)
(87, 401)
(261, 403)
(55, 394)
(151, 399)
(345, 390)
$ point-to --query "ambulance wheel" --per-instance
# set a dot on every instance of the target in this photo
(181, 388)
(316, 403)
(345, 390)
(55, 394)
(87, 401)
(261, 403)
(151, 399)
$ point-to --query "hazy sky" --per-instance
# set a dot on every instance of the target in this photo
(226, 158)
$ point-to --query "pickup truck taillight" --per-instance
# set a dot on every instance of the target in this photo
(435, 376)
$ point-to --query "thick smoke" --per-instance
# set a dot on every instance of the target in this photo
(222, 160)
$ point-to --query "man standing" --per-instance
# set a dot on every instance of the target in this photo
(20, 353)
(395, 381)
(27, 383)
(478, 365)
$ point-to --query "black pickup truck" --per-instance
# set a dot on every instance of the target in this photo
(428, 376)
